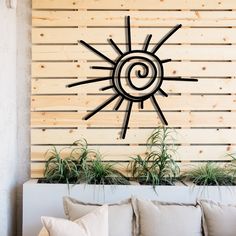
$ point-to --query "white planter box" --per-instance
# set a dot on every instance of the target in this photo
(46, 199)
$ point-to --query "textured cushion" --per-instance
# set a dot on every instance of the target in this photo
(88, 225)
(120, 215)
(218, 219)
(43, 232)
(167, 219)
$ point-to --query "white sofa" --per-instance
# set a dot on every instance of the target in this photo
(46, 199)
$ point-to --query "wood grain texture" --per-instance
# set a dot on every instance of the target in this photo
(183, 36)
(204, 85)
(89, 102)
(138, 119)
(138, 18)
(203, 113)
(82, 69)
(115, 152)
(134, 136)
(176, 52)
(133, 4)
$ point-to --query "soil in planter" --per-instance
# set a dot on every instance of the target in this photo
(162, 183)
(45, 181)
(106, 182)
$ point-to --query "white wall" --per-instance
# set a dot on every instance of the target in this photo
(8, 119)
(23, 76)
(14, 112)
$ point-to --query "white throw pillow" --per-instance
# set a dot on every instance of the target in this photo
(218, 219)
(92, 224)
(167, 219)
(120, 215)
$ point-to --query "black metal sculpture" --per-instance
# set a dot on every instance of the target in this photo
(121, 78)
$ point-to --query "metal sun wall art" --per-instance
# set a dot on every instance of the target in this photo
(122, 82)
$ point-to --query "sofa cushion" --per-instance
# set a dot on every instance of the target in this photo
(218, 219)
(88, 225)
(43, 232)
(120, 215)
(167, 219)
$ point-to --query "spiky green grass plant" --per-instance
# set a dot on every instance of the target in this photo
(157, 167)
(66, 168)
(98, 172)
(61, 170)
(232, 165)
(209, 174)
(80, 164)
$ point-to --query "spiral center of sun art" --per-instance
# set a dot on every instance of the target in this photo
(136, 75)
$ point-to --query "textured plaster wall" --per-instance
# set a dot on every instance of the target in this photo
(14, 112)
(8, 120)
(23, 31)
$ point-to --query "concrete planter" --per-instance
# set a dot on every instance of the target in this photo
(46, 199)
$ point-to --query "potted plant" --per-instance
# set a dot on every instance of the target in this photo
(210, 174)
(157, 167)
(95, 171)
(80, 165)
(67, 168)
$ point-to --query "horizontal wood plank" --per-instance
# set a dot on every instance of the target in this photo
(175, 52)
(83, 70)
(138, 119)
(183, 36)
(211, 85)
(134, 136)
(138, 18)
(133, 4)
(123, 153)
(89, 102)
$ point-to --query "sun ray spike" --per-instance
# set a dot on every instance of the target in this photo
(163, 92)
(115, 46)
(159, 44)
(165, 61)
(159, 111)
(119, 104)
(127, 116)
(101, 107)
(107, 87)
(128, 34)
(180, 79)
(142, 104)
(147, 41)
(87, 82)
(97, 52)
(102, 68)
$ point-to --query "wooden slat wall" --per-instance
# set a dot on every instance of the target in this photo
(203, 113)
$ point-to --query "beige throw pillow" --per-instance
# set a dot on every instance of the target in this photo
(43, 232)
(166, 219)
(218, 219)
(120, 215)
(92, 224)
